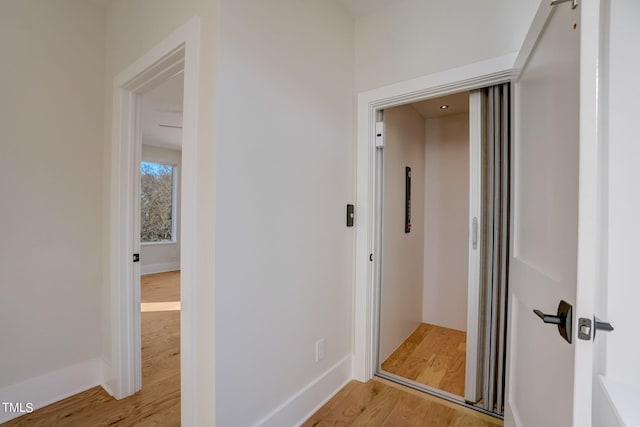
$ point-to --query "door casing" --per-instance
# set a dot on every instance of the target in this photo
(179, 52)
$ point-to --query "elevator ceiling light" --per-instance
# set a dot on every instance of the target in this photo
(444, 107)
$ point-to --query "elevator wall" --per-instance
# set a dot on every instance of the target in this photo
(402, 253)
(446, 231)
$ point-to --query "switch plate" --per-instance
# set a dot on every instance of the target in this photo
(320, 349)
(350, 215)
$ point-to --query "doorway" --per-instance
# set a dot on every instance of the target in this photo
(176, 55)
(442, 239)
(160, 237)
(424, 244)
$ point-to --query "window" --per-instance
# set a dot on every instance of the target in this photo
(157, 222)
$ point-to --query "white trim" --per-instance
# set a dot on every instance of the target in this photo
(179, 51)
(52, 386)
(469, 77)
(473, 388)
(167, 242)
(160, 268)
(299, 407)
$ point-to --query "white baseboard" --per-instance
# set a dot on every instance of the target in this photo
(107, 381)
(51, 387)
(160, 268)
(299, 407)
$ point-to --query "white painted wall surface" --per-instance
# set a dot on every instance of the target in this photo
(446, 232)
(623, 344)
(133, 28)
(159, 257)
(51, 116)
(411, 38)
(284, 255)
(402, 253)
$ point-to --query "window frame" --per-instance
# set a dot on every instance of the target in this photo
(174, 201)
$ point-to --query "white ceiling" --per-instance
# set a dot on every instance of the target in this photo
(359, 8)
(162, 114)
(168, 93)
(457, 102)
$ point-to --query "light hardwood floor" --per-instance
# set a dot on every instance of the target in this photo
(158, 403)
(383, 403)
(432, 355)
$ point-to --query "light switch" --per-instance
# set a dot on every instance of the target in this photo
(350, 215)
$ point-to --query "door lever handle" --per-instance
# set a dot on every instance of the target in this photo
(548, 318)
(563, 319)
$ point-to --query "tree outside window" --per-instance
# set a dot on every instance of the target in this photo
(156, 202)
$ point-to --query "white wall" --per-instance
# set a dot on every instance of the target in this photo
(159, 257)
(446, 232)
(284, 255)
(51, 116)
(402, 253)
(412, 38)
(133, 28)
(623, 344)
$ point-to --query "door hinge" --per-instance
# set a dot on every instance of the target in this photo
(584, 327)
(574, 3)
(379, 134)
(136, 257)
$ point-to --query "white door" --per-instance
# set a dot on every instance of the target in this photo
(552, 240)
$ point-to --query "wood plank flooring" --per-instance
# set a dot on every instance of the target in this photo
(383, 403)
(158, 403)
(431, 355)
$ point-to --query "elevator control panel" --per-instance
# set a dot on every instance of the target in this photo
(407, 200)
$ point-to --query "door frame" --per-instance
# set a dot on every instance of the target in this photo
(179, 52)
(469, 77)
